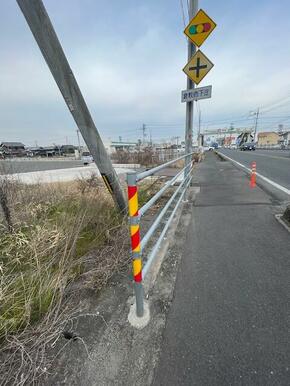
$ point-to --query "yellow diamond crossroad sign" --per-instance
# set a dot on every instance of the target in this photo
(199, 28)
(198, 66)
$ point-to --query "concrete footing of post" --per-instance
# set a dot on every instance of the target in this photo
(139, 322)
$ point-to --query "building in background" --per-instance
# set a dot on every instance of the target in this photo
(224, 137)
(12, 149)
(68, 149)
(46, 151)
(284, 139)
(116, 146)
(268, 138)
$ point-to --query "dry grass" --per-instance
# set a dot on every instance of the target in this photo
(54, 234)
(52, 237)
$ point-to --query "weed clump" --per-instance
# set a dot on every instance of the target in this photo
(54, 226)
(52, 236)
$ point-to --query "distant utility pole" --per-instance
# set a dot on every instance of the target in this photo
(256, 122)
(79, 142)
(46, 38)
(193, 8)
(199, 128)
(144, 133)
(176, 139)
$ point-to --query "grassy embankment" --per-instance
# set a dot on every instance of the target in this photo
(55, 240)
(46, 233)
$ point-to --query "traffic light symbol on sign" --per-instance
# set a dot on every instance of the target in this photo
(199, 28)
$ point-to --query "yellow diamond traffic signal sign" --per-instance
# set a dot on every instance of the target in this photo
(198, 66)
(199, 28)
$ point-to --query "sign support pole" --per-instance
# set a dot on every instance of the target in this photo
(193, 8)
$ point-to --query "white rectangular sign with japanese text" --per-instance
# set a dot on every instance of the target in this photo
(196, 94)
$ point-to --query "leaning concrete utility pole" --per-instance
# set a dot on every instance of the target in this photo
(193, 8)
(46, 38)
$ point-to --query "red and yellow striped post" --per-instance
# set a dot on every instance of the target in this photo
(134, 221)
(253, 175)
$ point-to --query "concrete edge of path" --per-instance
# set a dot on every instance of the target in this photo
(270, 186)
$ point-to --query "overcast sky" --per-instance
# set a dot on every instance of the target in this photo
(128, 57)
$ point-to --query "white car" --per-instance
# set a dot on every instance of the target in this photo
(87, 158)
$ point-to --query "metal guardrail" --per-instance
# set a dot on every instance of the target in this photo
(136, 213)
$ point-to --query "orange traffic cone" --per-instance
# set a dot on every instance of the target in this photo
(253, 175)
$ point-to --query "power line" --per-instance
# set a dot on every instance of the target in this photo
(276, 107)
(274, 103)
(225, 121)
(187, 9)
(165, 125)
(182, 11)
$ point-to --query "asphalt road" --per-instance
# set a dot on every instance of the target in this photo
(229, 320)
(273, 164)
(30, 165)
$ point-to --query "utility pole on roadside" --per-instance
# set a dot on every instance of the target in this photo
(192, 11)
(46, 38)
(199, 128)
(256, 122)
(79, 142)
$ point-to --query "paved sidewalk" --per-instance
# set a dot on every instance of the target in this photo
(229, 322)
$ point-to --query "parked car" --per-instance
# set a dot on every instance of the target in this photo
(233, 146)
(213, 146)
(87, 158)
(248, 146)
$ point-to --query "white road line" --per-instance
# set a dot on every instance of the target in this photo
(271, 156)
(277, 186)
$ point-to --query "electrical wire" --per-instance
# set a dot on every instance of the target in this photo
(187, 3)
(276, 107)
(182, 11)
(279, 101)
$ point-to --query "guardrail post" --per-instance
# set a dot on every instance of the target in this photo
(134, 223)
